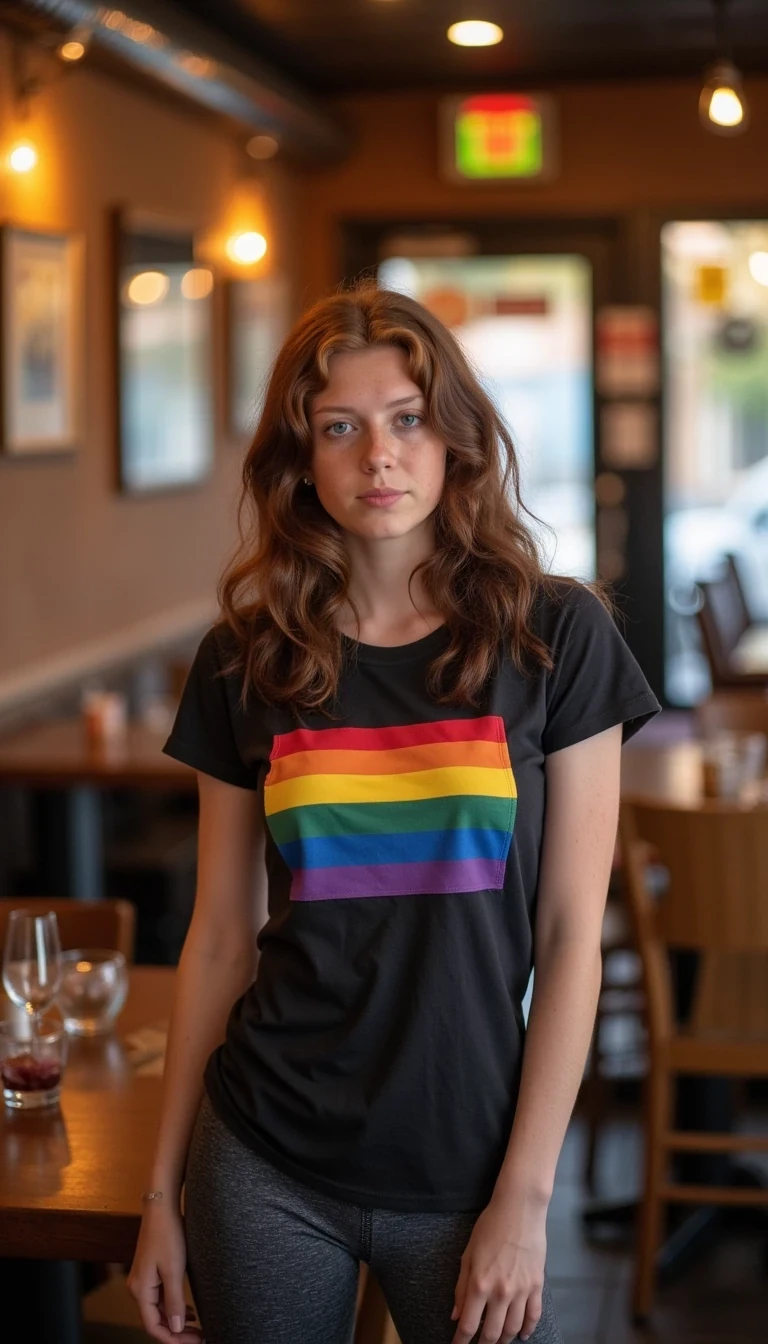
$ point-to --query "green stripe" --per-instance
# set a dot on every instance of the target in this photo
(431, 814)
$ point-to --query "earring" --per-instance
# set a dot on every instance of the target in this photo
(307, 481)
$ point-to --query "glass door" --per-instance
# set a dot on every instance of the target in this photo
(715, 327)
(525, 322)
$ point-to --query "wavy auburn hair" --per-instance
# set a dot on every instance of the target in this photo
(282, 590)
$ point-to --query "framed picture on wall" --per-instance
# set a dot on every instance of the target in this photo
(41, 278)
(258, 321)
(163, 358)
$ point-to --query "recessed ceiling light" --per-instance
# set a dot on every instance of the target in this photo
(262, 146)
(475, 33)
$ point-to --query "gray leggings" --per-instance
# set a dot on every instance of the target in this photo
(272, 1261)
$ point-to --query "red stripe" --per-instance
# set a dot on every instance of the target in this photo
(487, 729)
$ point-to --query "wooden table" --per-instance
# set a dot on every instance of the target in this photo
(70, 1183)
(56, 753)
(669, 773)
(55, 758)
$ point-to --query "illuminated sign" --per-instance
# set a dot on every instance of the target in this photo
(498, 137)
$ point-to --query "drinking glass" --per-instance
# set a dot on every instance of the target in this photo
(31, 1069)
(32, 964)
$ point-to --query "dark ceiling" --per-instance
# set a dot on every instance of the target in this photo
(353, 46)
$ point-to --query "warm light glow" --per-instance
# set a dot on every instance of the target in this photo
(23, 157)
(475, 33)
(197, 283)
(148, 287)
(84, 966)
(72, 51)
(199, 67)
(758, 267)
(246, 248)
(722, 105)
(725, 107)
(262, 146)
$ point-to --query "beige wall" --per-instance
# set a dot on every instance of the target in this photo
(78, 562)
(624, 147)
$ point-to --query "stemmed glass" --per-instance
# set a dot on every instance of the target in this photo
(32, 964)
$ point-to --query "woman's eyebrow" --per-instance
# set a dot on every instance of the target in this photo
(350, 410)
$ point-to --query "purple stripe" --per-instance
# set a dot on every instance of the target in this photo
(398, 879)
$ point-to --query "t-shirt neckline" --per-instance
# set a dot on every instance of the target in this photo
(396, 653)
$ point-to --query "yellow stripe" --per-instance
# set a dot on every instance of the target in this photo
(416, 786)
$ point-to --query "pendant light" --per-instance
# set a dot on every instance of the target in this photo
(722, 104)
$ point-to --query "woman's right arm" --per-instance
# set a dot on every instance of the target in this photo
(217, 964)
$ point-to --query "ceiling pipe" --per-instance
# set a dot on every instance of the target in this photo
(194, 59)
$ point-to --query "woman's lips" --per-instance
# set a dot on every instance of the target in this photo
(381, 501)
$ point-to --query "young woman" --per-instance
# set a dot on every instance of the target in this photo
(407, 741)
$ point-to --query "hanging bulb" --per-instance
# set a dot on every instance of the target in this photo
(722, 105)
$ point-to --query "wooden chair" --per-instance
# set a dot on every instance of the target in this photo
(620, 996)
(715, 903)
(734, 711)
(107, 924)
(735, 646)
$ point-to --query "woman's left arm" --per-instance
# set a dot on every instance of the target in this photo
(502, 1267)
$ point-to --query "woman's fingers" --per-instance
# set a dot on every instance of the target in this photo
(532, 1314)
(151, 1296)
(471, 1311)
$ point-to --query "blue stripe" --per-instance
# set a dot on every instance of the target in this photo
(411, 847)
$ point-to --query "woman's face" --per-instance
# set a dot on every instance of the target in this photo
(370, 431)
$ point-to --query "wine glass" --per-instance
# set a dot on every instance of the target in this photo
(32, 963)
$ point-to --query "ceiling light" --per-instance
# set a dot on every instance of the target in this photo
(72, 51)
(262, 146)
(758, 267)
(475, 33)
(74, 46)
(722, 105)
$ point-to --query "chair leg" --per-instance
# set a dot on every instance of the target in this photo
(658, 1112)
(593, 1094)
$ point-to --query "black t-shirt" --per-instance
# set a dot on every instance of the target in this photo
(377, 1055)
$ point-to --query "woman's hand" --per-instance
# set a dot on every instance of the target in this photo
(502, 1269)
(156, 1279)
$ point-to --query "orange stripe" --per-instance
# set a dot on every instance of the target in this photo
(401, 760)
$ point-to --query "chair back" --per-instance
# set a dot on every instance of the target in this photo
(722, 622)
(716, 858)
(734, 711)
(109, 923)
(738, 596)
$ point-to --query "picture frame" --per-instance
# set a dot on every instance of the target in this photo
(41, 303)
(163, 313)
(258, 320)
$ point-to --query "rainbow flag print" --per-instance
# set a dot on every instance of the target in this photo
(418, 808)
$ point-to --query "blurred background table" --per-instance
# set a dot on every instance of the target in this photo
(67, 776)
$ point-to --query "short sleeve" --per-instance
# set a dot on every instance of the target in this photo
(203, 734)
(596, 681)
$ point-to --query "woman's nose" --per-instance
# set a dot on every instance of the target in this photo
(378, 445)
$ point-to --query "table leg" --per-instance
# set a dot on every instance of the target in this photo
(41, 1301)
(86, 843)
(69, 846)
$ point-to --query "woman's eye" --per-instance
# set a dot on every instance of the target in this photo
(409, 419)
(338, 428)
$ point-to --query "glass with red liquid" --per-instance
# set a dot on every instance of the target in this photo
(31, 1065)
